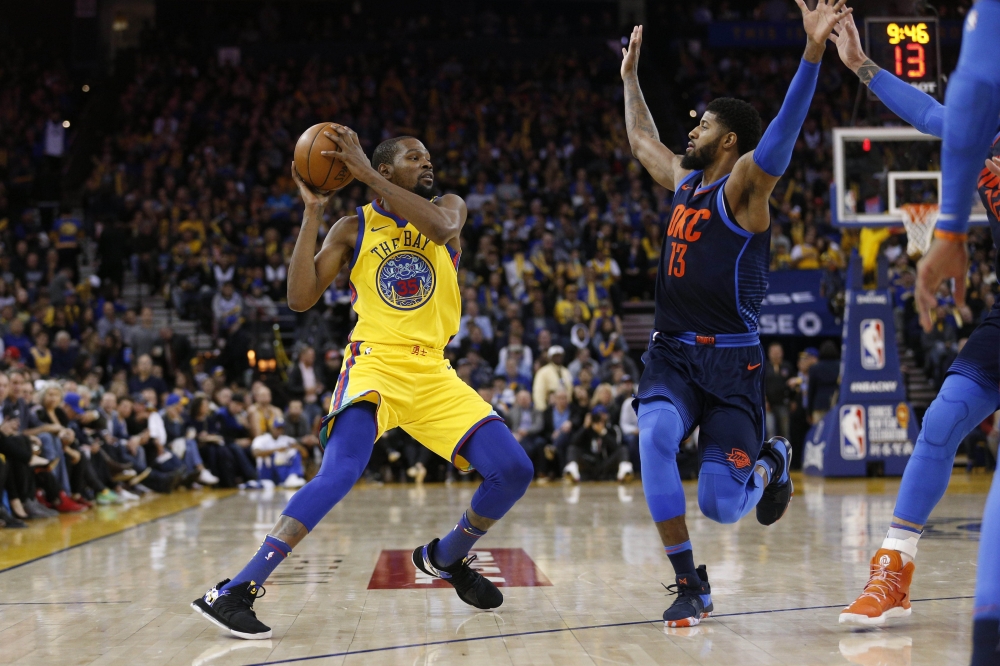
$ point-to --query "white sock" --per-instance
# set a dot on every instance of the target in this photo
(903, 539)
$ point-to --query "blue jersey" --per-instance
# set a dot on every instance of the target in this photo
(712, 274)
(989, 192)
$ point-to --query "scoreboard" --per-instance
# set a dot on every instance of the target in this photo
(909, 48)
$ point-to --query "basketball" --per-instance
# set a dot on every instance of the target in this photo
(317, 170)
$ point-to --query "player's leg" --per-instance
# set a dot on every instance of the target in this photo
(738, 472)
(507, 472)
(986, 613)
(960, 406)
(661, 430)
(229, 604)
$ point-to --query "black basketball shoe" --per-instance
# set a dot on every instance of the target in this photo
(693, 602)
(471, 586)
(232, 610)
(778, 493)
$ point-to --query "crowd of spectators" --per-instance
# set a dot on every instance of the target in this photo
(191, 196)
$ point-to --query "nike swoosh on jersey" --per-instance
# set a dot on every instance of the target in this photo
(752, 367)
(373, 230)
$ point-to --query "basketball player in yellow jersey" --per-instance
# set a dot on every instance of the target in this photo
(403, 250)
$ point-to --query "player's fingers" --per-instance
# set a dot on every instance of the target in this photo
(994, 166)
(959, 292)
(802, 7)
(839, 5)
(295, 175)
(924, 311)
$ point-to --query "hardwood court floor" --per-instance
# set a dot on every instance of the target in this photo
(589, 556)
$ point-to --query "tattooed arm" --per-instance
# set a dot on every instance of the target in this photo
(661, 163)
(911, 104)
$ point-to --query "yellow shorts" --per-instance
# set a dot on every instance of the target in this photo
(414, 388)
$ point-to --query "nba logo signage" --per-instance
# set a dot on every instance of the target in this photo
(872, 344)
(853, 433)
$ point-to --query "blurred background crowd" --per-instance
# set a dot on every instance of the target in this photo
(147, 217)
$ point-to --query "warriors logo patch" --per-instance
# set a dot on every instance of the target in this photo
(405, 280)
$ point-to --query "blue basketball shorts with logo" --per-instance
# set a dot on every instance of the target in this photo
(719, 387)
(979, 359)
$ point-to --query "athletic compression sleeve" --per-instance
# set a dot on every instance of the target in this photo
(972, 104)
(909, 103)
(774, 152)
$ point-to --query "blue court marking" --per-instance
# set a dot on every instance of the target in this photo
(108, 536)
(556, 631)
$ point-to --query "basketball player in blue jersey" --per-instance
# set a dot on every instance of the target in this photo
(969, 394)
(403, 251)
(704, 365)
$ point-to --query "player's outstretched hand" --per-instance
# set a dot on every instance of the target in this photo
(994, 166)
(630, 56)
(310, 196)
(946, 259)
(848, 42)
(820, 22)
(351, 153)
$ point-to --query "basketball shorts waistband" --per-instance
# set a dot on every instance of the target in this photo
(712, 339)
(420, 351)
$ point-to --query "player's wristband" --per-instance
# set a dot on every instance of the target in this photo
(953, 236)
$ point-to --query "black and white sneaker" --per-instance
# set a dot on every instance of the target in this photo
(232, 610)
(472, 587)
(778, 493)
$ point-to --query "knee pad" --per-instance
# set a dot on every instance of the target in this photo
(507, 471)
(721, 497)
(959, 407)
(661, 430)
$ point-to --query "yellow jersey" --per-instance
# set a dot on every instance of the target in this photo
(404, 287)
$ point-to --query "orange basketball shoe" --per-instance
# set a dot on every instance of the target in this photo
(887, 593)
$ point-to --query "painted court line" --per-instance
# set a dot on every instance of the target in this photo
(555, 631)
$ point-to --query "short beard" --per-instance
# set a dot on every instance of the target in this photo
(700, 159)
(425, 191)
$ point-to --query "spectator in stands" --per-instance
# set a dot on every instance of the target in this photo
(527, 423)
(940, 345)
(64, 355)
(550, 378)
(261, 414)
(306, 380)
(145, 379)
(824, 380)
(170, 431)
(227, 310)
(40, 356)
(144, 336)
(777, 372)
(279, 461)
(596, 451)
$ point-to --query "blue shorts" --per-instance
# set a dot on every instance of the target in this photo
(979, 359)
(715, 386)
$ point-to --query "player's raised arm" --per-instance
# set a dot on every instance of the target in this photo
(909, 103)
(755, 176)
(661, 162)
(441, 220)
(309, 273)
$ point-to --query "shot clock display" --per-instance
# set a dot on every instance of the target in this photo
(907, 47)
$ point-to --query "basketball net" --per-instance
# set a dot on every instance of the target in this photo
(919, 220)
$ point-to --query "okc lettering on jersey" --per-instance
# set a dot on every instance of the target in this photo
(681, 227)
(989, 187)
(386, 247)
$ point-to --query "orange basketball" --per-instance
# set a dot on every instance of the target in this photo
(320, 171)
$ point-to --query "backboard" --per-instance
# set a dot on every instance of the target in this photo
(879, 169)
